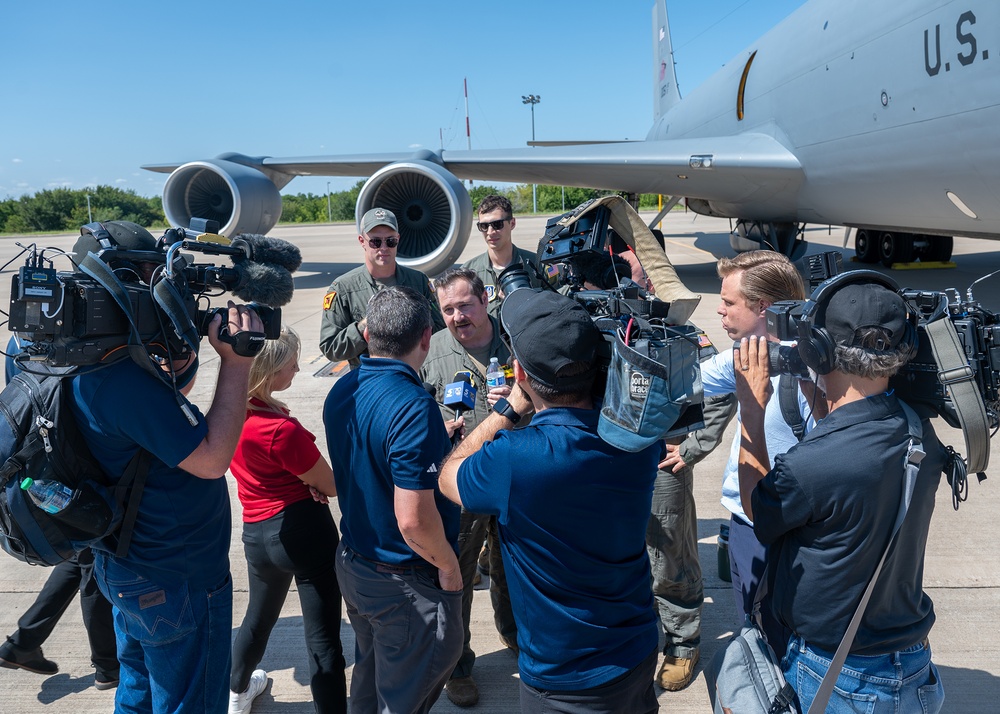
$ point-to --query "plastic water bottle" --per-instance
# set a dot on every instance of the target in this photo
(494, 375)
(50, 496)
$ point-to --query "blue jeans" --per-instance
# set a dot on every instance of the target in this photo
(904, 681)
(173, 641)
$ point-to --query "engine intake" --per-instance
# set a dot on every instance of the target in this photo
(241, 198)
(432, 207)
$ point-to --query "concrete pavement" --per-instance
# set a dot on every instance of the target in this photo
(962, 573)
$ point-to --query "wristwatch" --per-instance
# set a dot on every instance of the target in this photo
(504, 409)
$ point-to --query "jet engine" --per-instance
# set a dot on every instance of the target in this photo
(432, 207)
(243, 199)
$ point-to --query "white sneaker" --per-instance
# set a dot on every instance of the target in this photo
(241, 703)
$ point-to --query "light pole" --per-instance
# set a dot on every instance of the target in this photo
(532, 99)
(329, 211)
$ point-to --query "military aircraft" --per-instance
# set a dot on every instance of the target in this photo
(882, 116)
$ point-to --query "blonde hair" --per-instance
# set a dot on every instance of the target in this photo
(767, 276)
(274, 357)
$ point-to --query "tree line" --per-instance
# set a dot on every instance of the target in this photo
(64, 209)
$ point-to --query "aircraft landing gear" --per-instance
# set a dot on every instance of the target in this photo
(784, 238)
(897, 247)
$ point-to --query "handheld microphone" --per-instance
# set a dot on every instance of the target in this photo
(460, 394)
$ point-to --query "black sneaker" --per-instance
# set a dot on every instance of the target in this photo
(13, 657)
(105, 680)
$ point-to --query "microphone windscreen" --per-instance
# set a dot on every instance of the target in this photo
(430, 389)
(264, 249)
(462, 377)
(267, 284)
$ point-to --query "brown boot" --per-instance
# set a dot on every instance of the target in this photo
(676, 672)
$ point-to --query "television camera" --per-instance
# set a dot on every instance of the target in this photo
(954, 372)
(649, 382)
(156, 300)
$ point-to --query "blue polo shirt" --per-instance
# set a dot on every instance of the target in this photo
(572, 513)
(384, 431)
(184, 525)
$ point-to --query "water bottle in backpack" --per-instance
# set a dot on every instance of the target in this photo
(50, 496)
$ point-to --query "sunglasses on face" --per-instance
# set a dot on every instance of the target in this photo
(495, 225)
(376, 243)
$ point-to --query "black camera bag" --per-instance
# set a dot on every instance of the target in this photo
(39, 438)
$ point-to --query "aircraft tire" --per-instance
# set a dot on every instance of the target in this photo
(939, 249)
(866, 247)
(895, 248)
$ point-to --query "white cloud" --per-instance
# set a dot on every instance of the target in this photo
(16, 161)
(121, 180)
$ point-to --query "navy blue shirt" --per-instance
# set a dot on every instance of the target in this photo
(827, 511)
(384, 431)
(184, 526)
(572, 513)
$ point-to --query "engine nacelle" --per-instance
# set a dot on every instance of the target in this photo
(241, 198)
(432, 207)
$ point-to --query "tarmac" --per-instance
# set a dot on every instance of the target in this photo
(962, 570)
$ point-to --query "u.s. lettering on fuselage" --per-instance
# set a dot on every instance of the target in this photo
(966, 51)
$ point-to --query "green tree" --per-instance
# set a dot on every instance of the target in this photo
(478, 192)
(343, 203)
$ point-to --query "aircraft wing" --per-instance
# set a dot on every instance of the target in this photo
(737, 165)
(726, 168)
(425, 187)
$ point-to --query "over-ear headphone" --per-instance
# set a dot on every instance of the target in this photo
(816, 346)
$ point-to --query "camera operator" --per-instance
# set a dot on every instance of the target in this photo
(172, 592)
(557, 566)
(672, 532)
(827, 519)
(342, 332)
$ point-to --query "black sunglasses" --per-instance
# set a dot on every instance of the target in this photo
(495, 225)
(376, 243)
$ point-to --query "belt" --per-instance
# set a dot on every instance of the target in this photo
(392, 568)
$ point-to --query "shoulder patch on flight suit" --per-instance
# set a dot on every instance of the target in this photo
(328, 299)
(491, 292)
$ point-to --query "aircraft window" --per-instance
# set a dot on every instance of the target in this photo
(743, 86)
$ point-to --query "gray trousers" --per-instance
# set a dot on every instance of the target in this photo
(407, 630)
(672, 544)
(473, 530)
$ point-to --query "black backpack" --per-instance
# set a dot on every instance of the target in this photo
(39, 439)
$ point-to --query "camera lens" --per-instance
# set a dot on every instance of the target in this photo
(513, 277)
(783, 359)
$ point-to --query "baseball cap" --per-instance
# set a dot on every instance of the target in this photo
(548, 331)
(859, 305)
(378, 217)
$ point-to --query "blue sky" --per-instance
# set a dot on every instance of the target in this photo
(93, 90)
